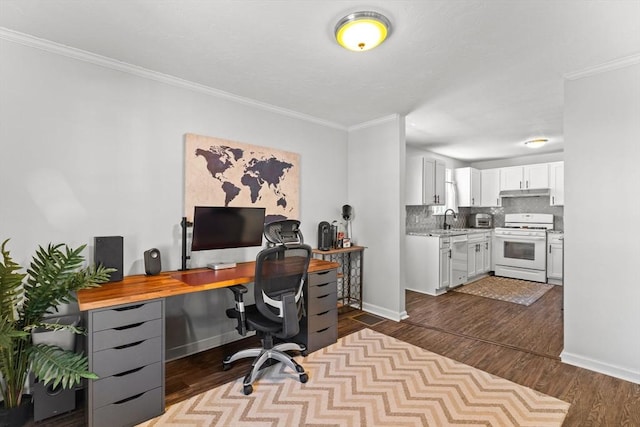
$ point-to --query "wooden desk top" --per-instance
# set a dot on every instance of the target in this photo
(142, 288)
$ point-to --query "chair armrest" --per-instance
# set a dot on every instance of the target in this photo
(238, 291)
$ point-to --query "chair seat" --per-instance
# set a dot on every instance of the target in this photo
(255, 321)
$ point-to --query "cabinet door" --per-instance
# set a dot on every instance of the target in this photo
(471, 260)
(438, 182)
(554, 261)
(536, 176)
(476, 187)
(490, 187)
(486, 256)
(445, 268)
(511, 178)
(428, 182)
(556, 183)
(414, 192)
(468, 186)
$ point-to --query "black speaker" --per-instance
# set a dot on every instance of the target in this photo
(152, 264)
(325, 240)
(107, 251)
(49, 401)
(347, 212)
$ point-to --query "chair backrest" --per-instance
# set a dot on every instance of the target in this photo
(281, 273)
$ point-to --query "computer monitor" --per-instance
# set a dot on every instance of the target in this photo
(220, 227)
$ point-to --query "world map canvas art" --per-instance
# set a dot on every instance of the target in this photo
(220, 172)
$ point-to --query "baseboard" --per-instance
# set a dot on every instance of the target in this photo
(601, 367)
(383, 312)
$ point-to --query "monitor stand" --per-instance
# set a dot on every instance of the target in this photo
(221, 265)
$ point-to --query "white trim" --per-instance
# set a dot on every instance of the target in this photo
(103, 61)
(601, 367)
(607, 66)
(373, 122)
(384, 312)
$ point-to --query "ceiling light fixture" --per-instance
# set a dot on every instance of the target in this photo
(360, 31)
(536, 143)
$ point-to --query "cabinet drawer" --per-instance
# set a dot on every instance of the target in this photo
(320, 321)
(321, 277)
(117, 360)
(119, 387)
(323, 303)
(131, 411)
(109, 338)
(321, 289)
(322, 338)
(126, 315)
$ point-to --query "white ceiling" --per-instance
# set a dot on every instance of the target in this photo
(474, 78)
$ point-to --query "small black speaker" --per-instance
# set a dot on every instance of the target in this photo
(152, 264)
(108, 251)
(49, 401)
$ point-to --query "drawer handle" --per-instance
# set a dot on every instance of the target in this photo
(134, 325)
(323, 296)
(323, 313)
(122, 374)
(322, 284)
(128, 399)
(131, 307)
(322, 330)
(323, 272)
(133, 344)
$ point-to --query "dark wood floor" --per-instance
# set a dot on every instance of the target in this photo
(519, 343)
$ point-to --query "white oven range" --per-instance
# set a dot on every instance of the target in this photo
(519, 248)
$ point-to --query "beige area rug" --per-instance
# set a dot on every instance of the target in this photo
(370, 379)
(505, 289)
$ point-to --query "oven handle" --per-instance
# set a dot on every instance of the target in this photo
(521, 239)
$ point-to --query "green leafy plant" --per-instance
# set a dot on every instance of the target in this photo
(55, 273)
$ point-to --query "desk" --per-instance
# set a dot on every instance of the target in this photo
(126, 334)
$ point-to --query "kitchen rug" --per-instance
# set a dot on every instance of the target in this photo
(517, 291)
(370, 379)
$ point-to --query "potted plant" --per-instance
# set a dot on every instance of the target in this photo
(55, 274)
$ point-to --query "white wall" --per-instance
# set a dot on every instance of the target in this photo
(87, 151)
(602, 246)
(376, 192)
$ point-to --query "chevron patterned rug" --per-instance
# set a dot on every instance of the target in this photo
(370, 379)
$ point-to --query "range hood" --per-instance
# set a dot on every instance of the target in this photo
(534, 192)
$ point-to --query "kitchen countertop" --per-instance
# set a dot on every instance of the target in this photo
(451, 232)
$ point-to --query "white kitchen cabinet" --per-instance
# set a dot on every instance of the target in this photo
(468, 184)
(490, 187)
(555, 255)
(428, 264)
(425, 182)
(524, 177)
(556, 183)
(478, 254)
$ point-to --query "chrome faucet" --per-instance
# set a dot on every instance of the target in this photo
(448, 226)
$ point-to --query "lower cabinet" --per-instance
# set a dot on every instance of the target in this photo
(478, 254)
(319, 328)
(429, 264)
(555, 258)
(125, 348)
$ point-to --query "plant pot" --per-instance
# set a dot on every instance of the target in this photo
(16, 417)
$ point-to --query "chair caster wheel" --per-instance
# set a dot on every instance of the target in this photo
(304, 353)
(299, 369)
(226, 366)
(247, 389)
(304, 378)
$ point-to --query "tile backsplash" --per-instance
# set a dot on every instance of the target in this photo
(422, 219)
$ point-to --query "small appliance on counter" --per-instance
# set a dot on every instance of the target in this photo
(480, 220)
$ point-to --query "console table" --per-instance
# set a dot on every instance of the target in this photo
(125, 323)
(350, 273)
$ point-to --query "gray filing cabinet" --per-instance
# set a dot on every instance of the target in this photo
(319, 328)
(125, 347)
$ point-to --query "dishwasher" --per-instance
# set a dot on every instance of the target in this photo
(458, 260)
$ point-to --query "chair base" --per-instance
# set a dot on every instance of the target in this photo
(262, 356)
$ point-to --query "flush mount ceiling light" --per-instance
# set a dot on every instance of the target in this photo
(536, 143)
(362, 31)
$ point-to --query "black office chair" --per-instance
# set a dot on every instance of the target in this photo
(281, 272)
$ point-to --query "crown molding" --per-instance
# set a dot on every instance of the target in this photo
(113, 64)
(604, 67)
(374, 122)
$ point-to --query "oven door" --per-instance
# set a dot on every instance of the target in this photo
(521, 251)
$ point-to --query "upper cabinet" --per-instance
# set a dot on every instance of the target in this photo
(468, 183)
(525, 177)
(425, 181)
(490, 187)
(556, 183)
